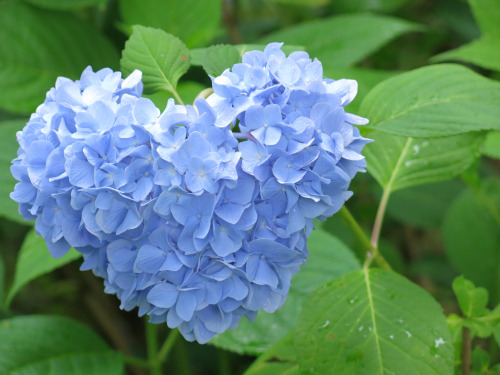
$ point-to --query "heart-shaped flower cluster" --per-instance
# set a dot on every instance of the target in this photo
(182, 220)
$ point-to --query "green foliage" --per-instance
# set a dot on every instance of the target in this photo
(434, 101)
(471, 232)
(194, 22)
(67, 4)
(491, 145)
(161, 57)
(35, 50)
(366, 5)
(483, 52)
(9, 146)
(424, 206)
(350, 37)
(398, 162)
(373, 320)
(218, 58)
(329, 258)
(34, 260)
(2, 283)
(39, 344)
(472, 300)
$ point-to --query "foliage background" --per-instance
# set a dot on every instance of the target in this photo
(443, 215)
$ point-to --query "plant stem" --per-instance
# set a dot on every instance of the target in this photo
(370, 252)
(204, 93)
(177, 97)
(167, 345)
(152, 347)
(466, 350)
(134, 361)
(377, 226)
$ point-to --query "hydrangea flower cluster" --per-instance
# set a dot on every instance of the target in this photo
(181, 219)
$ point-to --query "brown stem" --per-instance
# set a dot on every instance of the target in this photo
(230, 18)
(466, 350)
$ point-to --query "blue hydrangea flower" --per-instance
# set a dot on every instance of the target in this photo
(84, 162)
(181, 220)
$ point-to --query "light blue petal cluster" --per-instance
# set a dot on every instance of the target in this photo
(301, 145)
(183, 221)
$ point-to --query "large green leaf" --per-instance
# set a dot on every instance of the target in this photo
(195, 22)
(67, 4)
(35, 260)
(197, 54)
(351, 6)
(366, 78)
(434, 101)
(218, 58)
(54, 345)
(37, 46)
(343, 40)
(424, 206)
(485, 51)
(161, 57)
(471, 232)
(491, 145)
(329, 258)
(8, 151)
(373, 322)
(397, 162)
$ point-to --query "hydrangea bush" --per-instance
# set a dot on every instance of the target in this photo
(181, 220)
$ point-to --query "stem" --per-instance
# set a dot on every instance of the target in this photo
(224, 363)
(377, 226)
(205, 93)
(152, 346)
(466, 350)
(134, 361)
(167, 345)
(370, 252)
(177, 97)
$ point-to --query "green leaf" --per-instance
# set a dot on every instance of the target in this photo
(329, 258)
(483, 52)
(304, 3)
(373, 321)
(366, 78)
(197, 54)
(398, 162)
(434, 101)
(496, 333)
(67, 4)
(343, 40)
(424, 206)
(161, 57)
(35, 260)
(8, 151)
(282, 351)
(218, 58)
(187, 90)
(37, 46)
(39, 344)
(2, 283)
(472, 300)
(487, 14)
(195, 22)
(471, 232)
(351, 6)
(491, 145)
